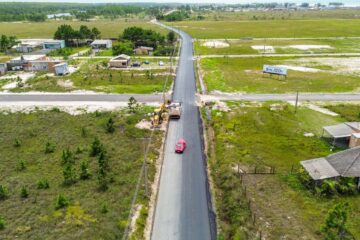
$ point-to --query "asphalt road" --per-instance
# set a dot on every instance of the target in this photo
(74, 97)
(182, 210)
(283, 97)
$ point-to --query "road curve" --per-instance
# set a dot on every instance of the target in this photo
(182, 208)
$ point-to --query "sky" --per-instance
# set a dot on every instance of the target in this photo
(346, 2)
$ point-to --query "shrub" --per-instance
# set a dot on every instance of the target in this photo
(24, 193)
(2, 223)
(3, 192)
(49, 148)
(69, 174)
(21, 165)
(84, 132)
(96, 147)
(84, 170)
(110, 126)
(104, 208)
(102, 179)
(67, 156)
(43, 184)
(17, 143)
(61, 202)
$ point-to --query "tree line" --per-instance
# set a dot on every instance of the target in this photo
(67, 33)
(7, 42)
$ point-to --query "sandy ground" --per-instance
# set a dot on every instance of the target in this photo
(308, 47)
(24, 76)
(299, 68)
(216, 44)
(65, 84)
(137, 209)
(264, 48)
(73, 108)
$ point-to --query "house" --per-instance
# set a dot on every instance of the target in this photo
(61, 69)
(3, 68)
(23, 61)
(341, 164)
(47, 65)
(121, 61)
(144, 50)
(99, 44)
(343, 134)
(25, 48)
(53, 44)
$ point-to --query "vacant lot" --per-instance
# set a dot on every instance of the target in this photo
(280, 46)
(47, 29)
(272, 28)
(251, 135)
(92, 213)
(304, 75)
(93, 75)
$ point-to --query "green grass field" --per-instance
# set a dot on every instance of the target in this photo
(245, 75)
(271, 28)
(280, 46)
(252, 135)
(92, 75)
(35, 217)
(47, 29)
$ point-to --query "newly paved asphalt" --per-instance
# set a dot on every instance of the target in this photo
(182, 210)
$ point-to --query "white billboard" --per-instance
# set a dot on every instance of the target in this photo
(275, 70)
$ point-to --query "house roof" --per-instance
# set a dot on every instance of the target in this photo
(53, 41)
(101, 41)
(121, 57)
(342, 130)
(345, 164)
(28, 57)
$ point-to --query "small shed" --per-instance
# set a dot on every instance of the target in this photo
(3, 68)
(121, 61)
(100, 44)
(341, 133)
(53, 44)
(61, 69)
(144, 50)
(24, 48)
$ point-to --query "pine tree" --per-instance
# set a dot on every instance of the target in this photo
(110, 126)
(84, 170)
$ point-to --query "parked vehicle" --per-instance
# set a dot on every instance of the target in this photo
(161, 63)
(180, 146)
(136, 64)
(146, 62)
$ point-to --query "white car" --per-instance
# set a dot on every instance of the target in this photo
(161, 63)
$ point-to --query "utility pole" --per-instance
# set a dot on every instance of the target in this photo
(296, 101)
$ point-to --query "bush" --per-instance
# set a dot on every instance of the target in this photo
(61, 202)
(21, 165)
(84, 170)
(67, 157)
(24, 193)
(110, 126)
(3, 192)
(17, 143)
(2, 223)
(69, 174)
(49, 148)
(96, 147)
(104, 208)
(43, 184)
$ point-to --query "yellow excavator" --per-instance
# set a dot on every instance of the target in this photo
(158, 116)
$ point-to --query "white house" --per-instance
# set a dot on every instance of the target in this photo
(97, 44)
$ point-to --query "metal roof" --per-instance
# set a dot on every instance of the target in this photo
(319, 168)
(345, 164)
(342, 130)
(101, 41)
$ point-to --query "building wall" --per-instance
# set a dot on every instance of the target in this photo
(354, 141)
(119, 64)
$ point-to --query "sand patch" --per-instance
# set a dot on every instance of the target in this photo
(23, 76)
(300, 69)
(216, 44)
(264, 48)
(65, 84)
(308, 47)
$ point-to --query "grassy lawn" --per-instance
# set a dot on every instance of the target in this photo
(47, 29)
(92, 75)
(35, 217)
(280, 46)
(271, 28)
(245, 75)
(252, 135)
(351, 112)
